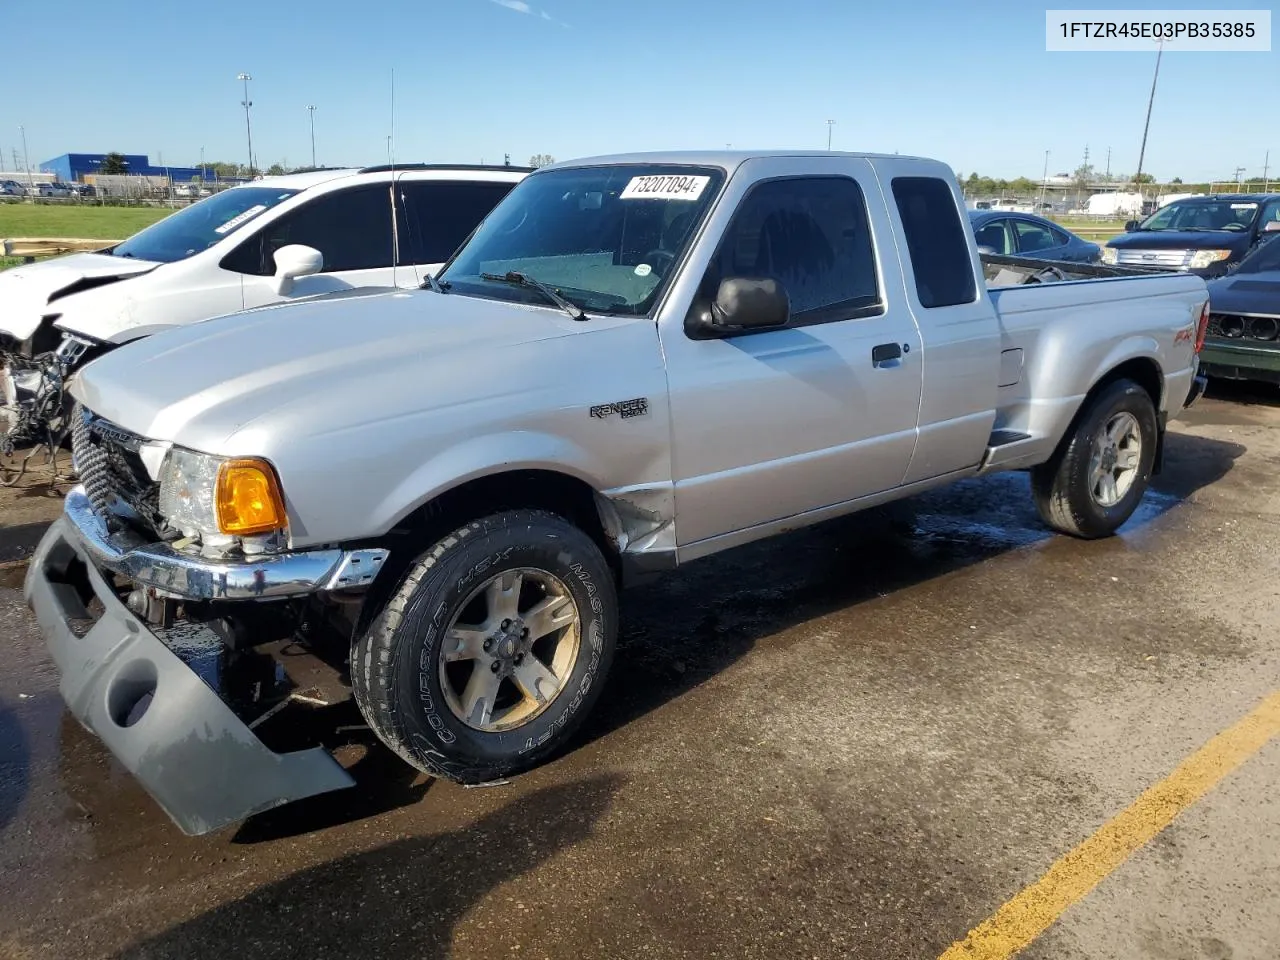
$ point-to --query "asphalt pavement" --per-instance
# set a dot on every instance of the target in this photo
(859, 740)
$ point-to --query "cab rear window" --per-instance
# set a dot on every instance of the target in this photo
(936, 241)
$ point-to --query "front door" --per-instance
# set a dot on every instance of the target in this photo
(777, 423)
(352, 230)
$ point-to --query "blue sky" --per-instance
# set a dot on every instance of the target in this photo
(968, 83)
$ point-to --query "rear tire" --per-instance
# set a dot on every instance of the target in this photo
(1099, 474)
(493, 648)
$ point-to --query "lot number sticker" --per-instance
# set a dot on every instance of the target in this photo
(664, 188)
(240, 218)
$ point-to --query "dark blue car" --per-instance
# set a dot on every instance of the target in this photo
(1243, 341)
(1203, 235)
(1025, 235)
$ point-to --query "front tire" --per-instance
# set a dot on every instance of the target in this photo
(492, 650)
(1098, 476)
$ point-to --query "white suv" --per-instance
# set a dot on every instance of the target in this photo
(273, 239)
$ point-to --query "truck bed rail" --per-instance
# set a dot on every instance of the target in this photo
(1001, 270)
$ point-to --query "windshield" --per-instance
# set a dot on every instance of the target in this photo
(201, 225)
(605, 238)
(1203, 215)
(1265, 256)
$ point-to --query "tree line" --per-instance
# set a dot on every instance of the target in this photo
(1085, 177)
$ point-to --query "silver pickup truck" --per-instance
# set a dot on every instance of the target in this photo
(634, 362)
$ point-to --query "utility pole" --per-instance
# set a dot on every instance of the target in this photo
(830, 124)
(26, 159)
(1108, 163)
(1266, 166)
(1239, 170)
(311, 109)
(1137, 177)
(247, 103)
(1044, 179)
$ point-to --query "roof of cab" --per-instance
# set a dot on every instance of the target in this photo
(728, 159)
(303, 181)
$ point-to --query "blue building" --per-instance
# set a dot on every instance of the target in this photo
(72, 167)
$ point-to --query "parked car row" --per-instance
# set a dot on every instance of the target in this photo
(55, 189)
(440, 474)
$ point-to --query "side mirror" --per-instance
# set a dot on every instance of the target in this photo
(742, 305)
(295, 261)
(1131, 226)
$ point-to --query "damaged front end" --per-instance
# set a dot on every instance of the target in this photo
(34, 404)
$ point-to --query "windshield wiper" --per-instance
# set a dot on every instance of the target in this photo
(434, 285)
(524, 280)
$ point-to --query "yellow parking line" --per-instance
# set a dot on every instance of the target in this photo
(1016, 924)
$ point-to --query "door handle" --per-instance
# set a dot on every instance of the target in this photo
(885, 352)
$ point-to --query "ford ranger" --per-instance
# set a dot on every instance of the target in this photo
(634, 362)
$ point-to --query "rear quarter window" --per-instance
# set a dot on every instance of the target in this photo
(936, 241)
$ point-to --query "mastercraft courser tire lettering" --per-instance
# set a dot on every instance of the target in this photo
(1097, 477)
(493, 648)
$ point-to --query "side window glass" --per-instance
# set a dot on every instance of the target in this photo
(1060, 239)
(995, 234)
(350, 228)
(937, 242)
(1033, 236)
(813, 236)
(444, 213)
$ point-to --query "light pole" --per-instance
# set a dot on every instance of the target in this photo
(311, 109)
(1142, 151)
(247, 103)
(830, 124)
(1044, 179)
(26, 160)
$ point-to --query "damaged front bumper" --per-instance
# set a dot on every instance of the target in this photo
(197, 759)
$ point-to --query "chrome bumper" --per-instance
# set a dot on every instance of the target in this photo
(192, 577)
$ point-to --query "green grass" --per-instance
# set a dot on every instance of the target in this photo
(33, 220)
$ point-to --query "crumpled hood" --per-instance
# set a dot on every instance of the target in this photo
(342, 360)
(1246, 293)
(25, 292)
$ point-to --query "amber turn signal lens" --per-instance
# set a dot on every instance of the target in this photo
(248, 498)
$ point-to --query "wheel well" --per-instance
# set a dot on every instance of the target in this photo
(568, 497)
(1143, 371)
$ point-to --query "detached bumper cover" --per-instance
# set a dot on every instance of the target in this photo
(186, 747)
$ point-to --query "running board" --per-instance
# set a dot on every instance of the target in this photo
(999, 440)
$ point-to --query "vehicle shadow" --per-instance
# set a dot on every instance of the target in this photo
(695, 622)
(400, 900)
(1249, 392)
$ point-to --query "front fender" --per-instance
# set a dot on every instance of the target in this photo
(484, 456)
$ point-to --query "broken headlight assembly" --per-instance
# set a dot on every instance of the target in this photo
(223, 502)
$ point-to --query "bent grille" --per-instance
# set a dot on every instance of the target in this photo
(107, 462)
(1233, 326)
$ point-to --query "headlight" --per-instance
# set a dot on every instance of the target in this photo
(187, 481)
(208, 496)
(1205, 258)
(1109, 254)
